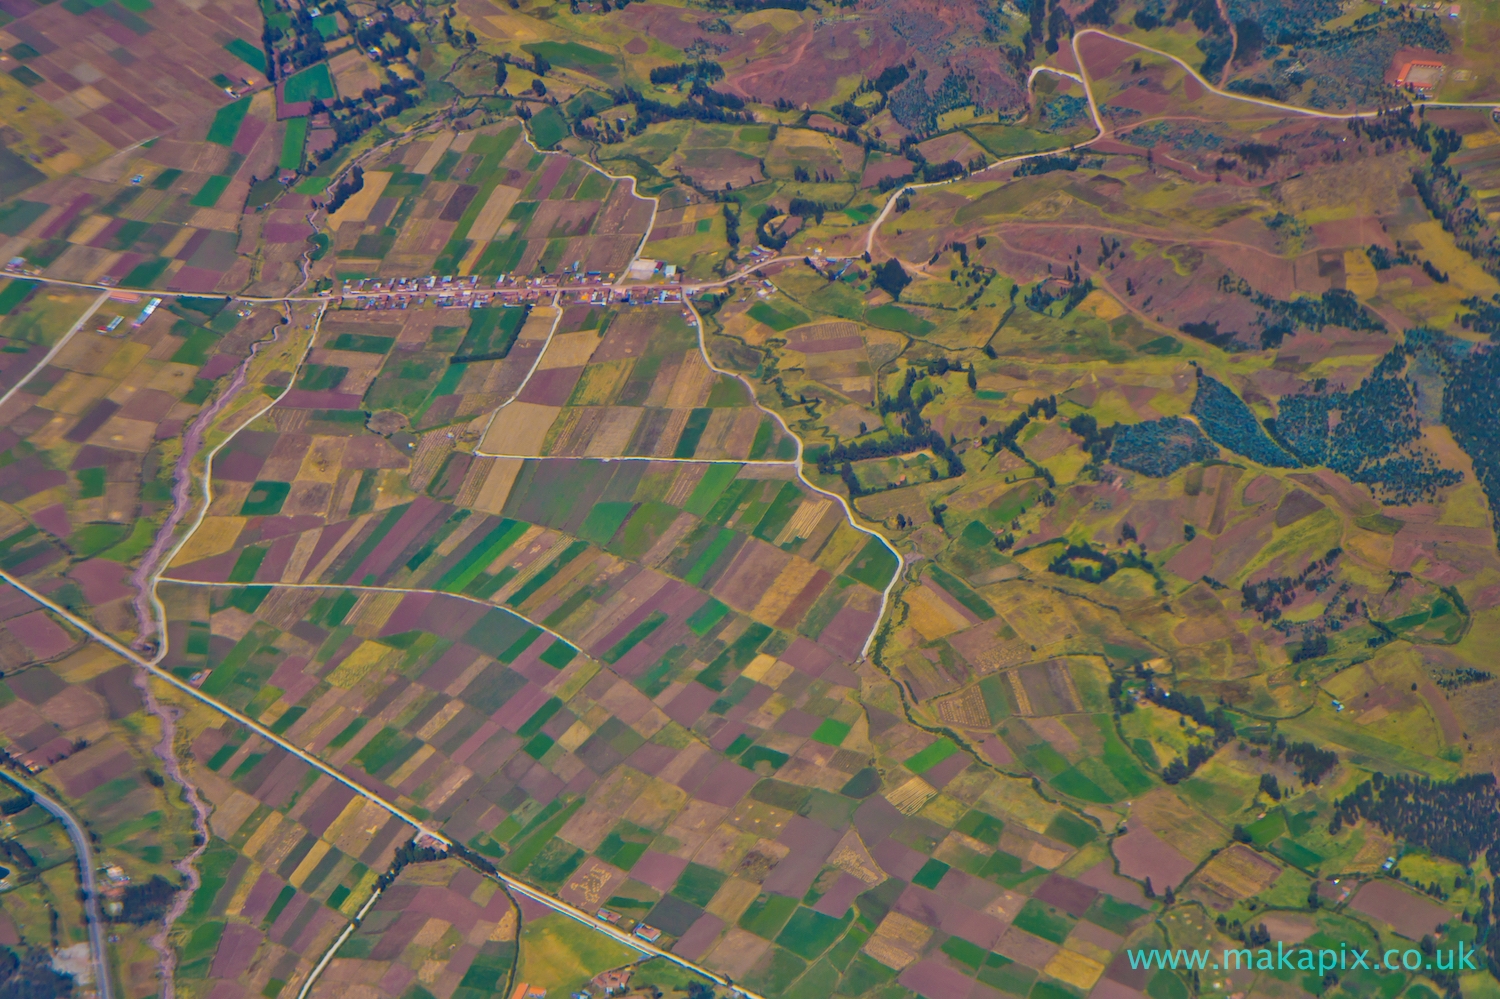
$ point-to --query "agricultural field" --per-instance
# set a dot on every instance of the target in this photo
(95, 434)
(485, 203)
(72, 710)
(643, 389)
(890, 500)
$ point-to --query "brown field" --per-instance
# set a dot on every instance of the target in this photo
(1142, 854)
(1238, 873)
(991, 646)
(1410, 915)
(965, 709)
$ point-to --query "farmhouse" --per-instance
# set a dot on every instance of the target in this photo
(1420, 77)
(613, 981)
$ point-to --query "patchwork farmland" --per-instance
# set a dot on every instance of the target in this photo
(694, 500)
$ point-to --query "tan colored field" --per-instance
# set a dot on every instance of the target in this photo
(1075, 969)
(599, 383)
(1239, 872)
(434, 152)
(911, 796)
(214, 535)
(613, 436)
(358, 207)
(519, 428)
(898, 940)
(931, 615)
(693, 383)
(487, 223)
(569, 350)
(779, 596)
(966, 709)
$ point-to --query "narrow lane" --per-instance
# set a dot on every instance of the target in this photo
(88, 873)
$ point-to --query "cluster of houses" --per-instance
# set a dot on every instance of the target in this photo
(614, 982)
(115, 880)
(466, 293)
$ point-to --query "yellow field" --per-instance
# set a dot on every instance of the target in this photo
(519, 428)
(1239, 872)
(569, 350)
(788, 586)
(487, 223)
(214, 535)
(360, 203)
(931, 615)
(1075, 969)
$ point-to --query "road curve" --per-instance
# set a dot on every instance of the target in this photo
(847, 504)
(88, 872)
(1263, 101)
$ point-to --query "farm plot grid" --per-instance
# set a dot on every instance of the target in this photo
(486, 202)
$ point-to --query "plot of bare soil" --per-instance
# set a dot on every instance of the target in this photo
(1410, 915)
(1143, 854)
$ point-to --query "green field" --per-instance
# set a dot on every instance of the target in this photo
(227, 121)
(560, 954)
(292, 143)
(893, 317)
(779, 319)
(572, 55)
(251, 55)
(314, 81)
(548, 127)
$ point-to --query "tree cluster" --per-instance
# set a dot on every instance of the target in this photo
(947, 170)
(31, 975)
(1484, 317)
(731, 228)
(1270, 786)
(1006, 436)
(704, 69)
(891, 278)
(1090, 565)
(753, 5)
(807, 208)
(1460, 677)
(703, 104)
(1047, 164)
(1225, 418)
(16, 853)
(842, 455)
(1451, 201)
(1311, 762)
(1193, 707)
(1095, 440)
(408, 853)
(147, 902)
(1471, 409)
(1457, 819)
(1267, 597)
(1376, 441)
(1159, 448)
(351, 184)
(890, 78)
(916, 434)
(1383, 260)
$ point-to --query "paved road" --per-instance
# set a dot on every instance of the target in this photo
(90, 883)
(57, 348)
(556, 904)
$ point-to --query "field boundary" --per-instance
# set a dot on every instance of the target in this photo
(1082, 77)
(885, 596)
(534, 894)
